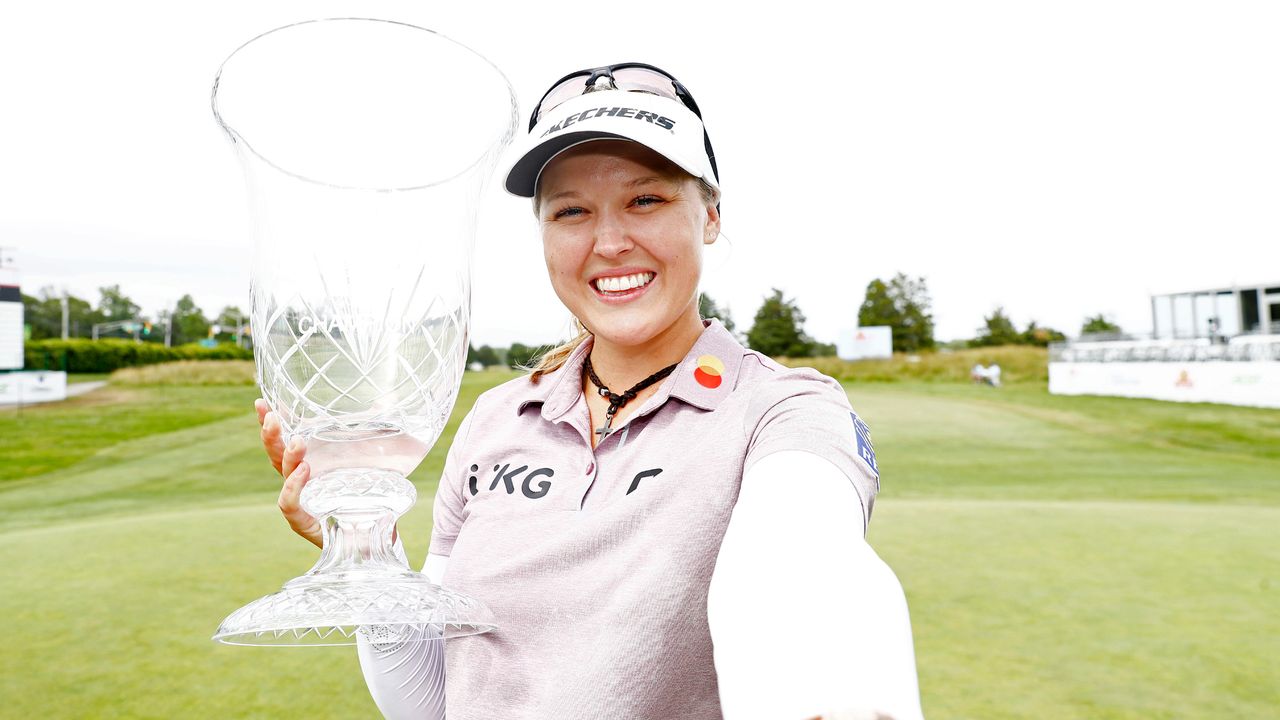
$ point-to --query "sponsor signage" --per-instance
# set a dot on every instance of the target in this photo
(25, 388)
(861, 343)
(1255, 384)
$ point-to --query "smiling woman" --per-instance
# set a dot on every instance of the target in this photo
(651, 190)
(652, 485)
(622, 231)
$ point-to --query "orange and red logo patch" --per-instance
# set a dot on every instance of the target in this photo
(708, 371)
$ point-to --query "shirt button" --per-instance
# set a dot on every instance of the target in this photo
(591, 468)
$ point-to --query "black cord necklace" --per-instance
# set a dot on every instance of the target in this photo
(617, 401)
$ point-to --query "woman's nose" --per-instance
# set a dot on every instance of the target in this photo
(611, 236)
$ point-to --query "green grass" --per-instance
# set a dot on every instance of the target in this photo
(122, 452)
(966, 441)
(43, 439)
(1033, 609)
(1063, 557)
(73, 378)
(112, 618)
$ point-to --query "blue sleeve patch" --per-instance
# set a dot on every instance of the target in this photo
(865, 451)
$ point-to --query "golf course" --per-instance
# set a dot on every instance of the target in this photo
(1063, 557)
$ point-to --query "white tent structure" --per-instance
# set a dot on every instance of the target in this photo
(1220, 345)
(1217, 312)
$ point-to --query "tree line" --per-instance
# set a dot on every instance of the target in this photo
(187, 321)
(901, 302)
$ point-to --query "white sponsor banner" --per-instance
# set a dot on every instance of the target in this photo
(10, 335)
(32, 387)
(873, 341)
(1234, 383)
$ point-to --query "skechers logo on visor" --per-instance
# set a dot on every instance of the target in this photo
(659, 120)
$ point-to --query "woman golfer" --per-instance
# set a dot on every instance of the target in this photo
(665, 523)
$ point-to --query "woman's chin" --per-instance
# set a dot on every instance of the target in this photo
(622, 330)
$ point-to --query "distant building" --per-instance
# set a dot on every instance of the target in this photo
(1219, 312)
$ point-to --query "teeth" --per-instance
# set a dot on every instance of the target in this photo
(622, 284)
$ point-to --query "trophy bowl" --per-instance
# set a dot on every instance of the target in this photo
(365, 146)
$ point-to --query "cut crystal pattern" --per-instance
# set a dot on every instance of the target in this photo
(363, 193)
(331, 614)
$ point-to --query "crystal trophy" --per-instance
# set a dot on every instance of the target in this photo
(365, 145)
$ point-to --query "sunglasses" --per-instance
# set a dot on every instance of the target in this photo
(631, 77)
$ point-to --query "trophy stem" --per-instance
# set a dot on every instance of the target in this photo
(354, 541)
(357, 509)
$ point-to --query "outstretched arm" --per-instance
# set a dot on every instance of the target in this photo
(805, 618)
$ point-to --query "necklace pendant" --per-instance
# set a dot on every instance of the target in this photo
(603, 430)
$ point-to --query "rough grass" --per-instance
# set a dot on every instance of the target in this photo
(188, 372)
(1018, 364)
(1064, 557)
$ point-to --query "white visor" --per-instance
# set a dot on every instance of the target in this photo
(659, 123)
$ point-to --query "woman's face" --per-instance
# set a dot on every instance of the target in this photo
(622, 233)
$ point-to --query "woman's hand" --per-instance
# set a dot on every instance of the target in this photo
(288, 461)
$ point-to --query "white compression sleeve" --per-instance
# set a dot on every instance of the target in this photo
(805, 618)
(406, 679)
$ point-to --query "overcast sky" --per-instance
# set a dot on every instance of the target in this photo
(1060, 159)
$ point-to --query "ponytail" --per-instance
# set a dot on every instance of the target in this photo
(551, 360)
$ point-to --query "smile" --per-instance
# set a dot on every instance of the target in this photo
(622, 288)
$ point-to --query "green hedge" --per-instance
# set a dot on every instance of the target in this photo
(102, 356)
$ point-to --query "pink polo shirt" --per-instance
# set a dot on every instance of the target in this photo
(596, 564)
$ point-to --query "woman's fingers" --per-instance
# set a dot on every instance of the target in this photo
(292, 455)
(288, 461)
(272, 441)
(298, 519)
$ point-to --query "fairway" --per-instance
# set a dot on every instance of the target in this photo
(1063, 557)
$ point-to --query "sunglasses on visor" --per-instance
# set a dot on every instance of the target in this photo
(631, 77)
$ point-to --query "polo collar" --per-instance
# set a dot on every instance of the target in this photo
(706, 375)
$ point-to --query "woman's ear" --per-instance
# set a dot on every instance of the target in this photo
(711, 229)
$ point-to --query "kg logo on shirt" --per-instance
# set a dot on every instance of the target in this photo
(865, 451)
(509, 479)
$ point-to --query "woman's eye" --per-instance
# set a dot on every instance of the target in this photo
(646, 200)
(567, 212)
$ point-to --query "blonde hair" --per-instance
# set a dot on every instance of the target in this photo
(552, 359)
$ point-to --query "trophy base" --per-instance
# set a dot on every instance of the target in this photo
(358, 581)
(396, 606)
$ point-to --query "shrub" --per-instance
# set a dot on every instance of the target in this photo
(79, 355)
